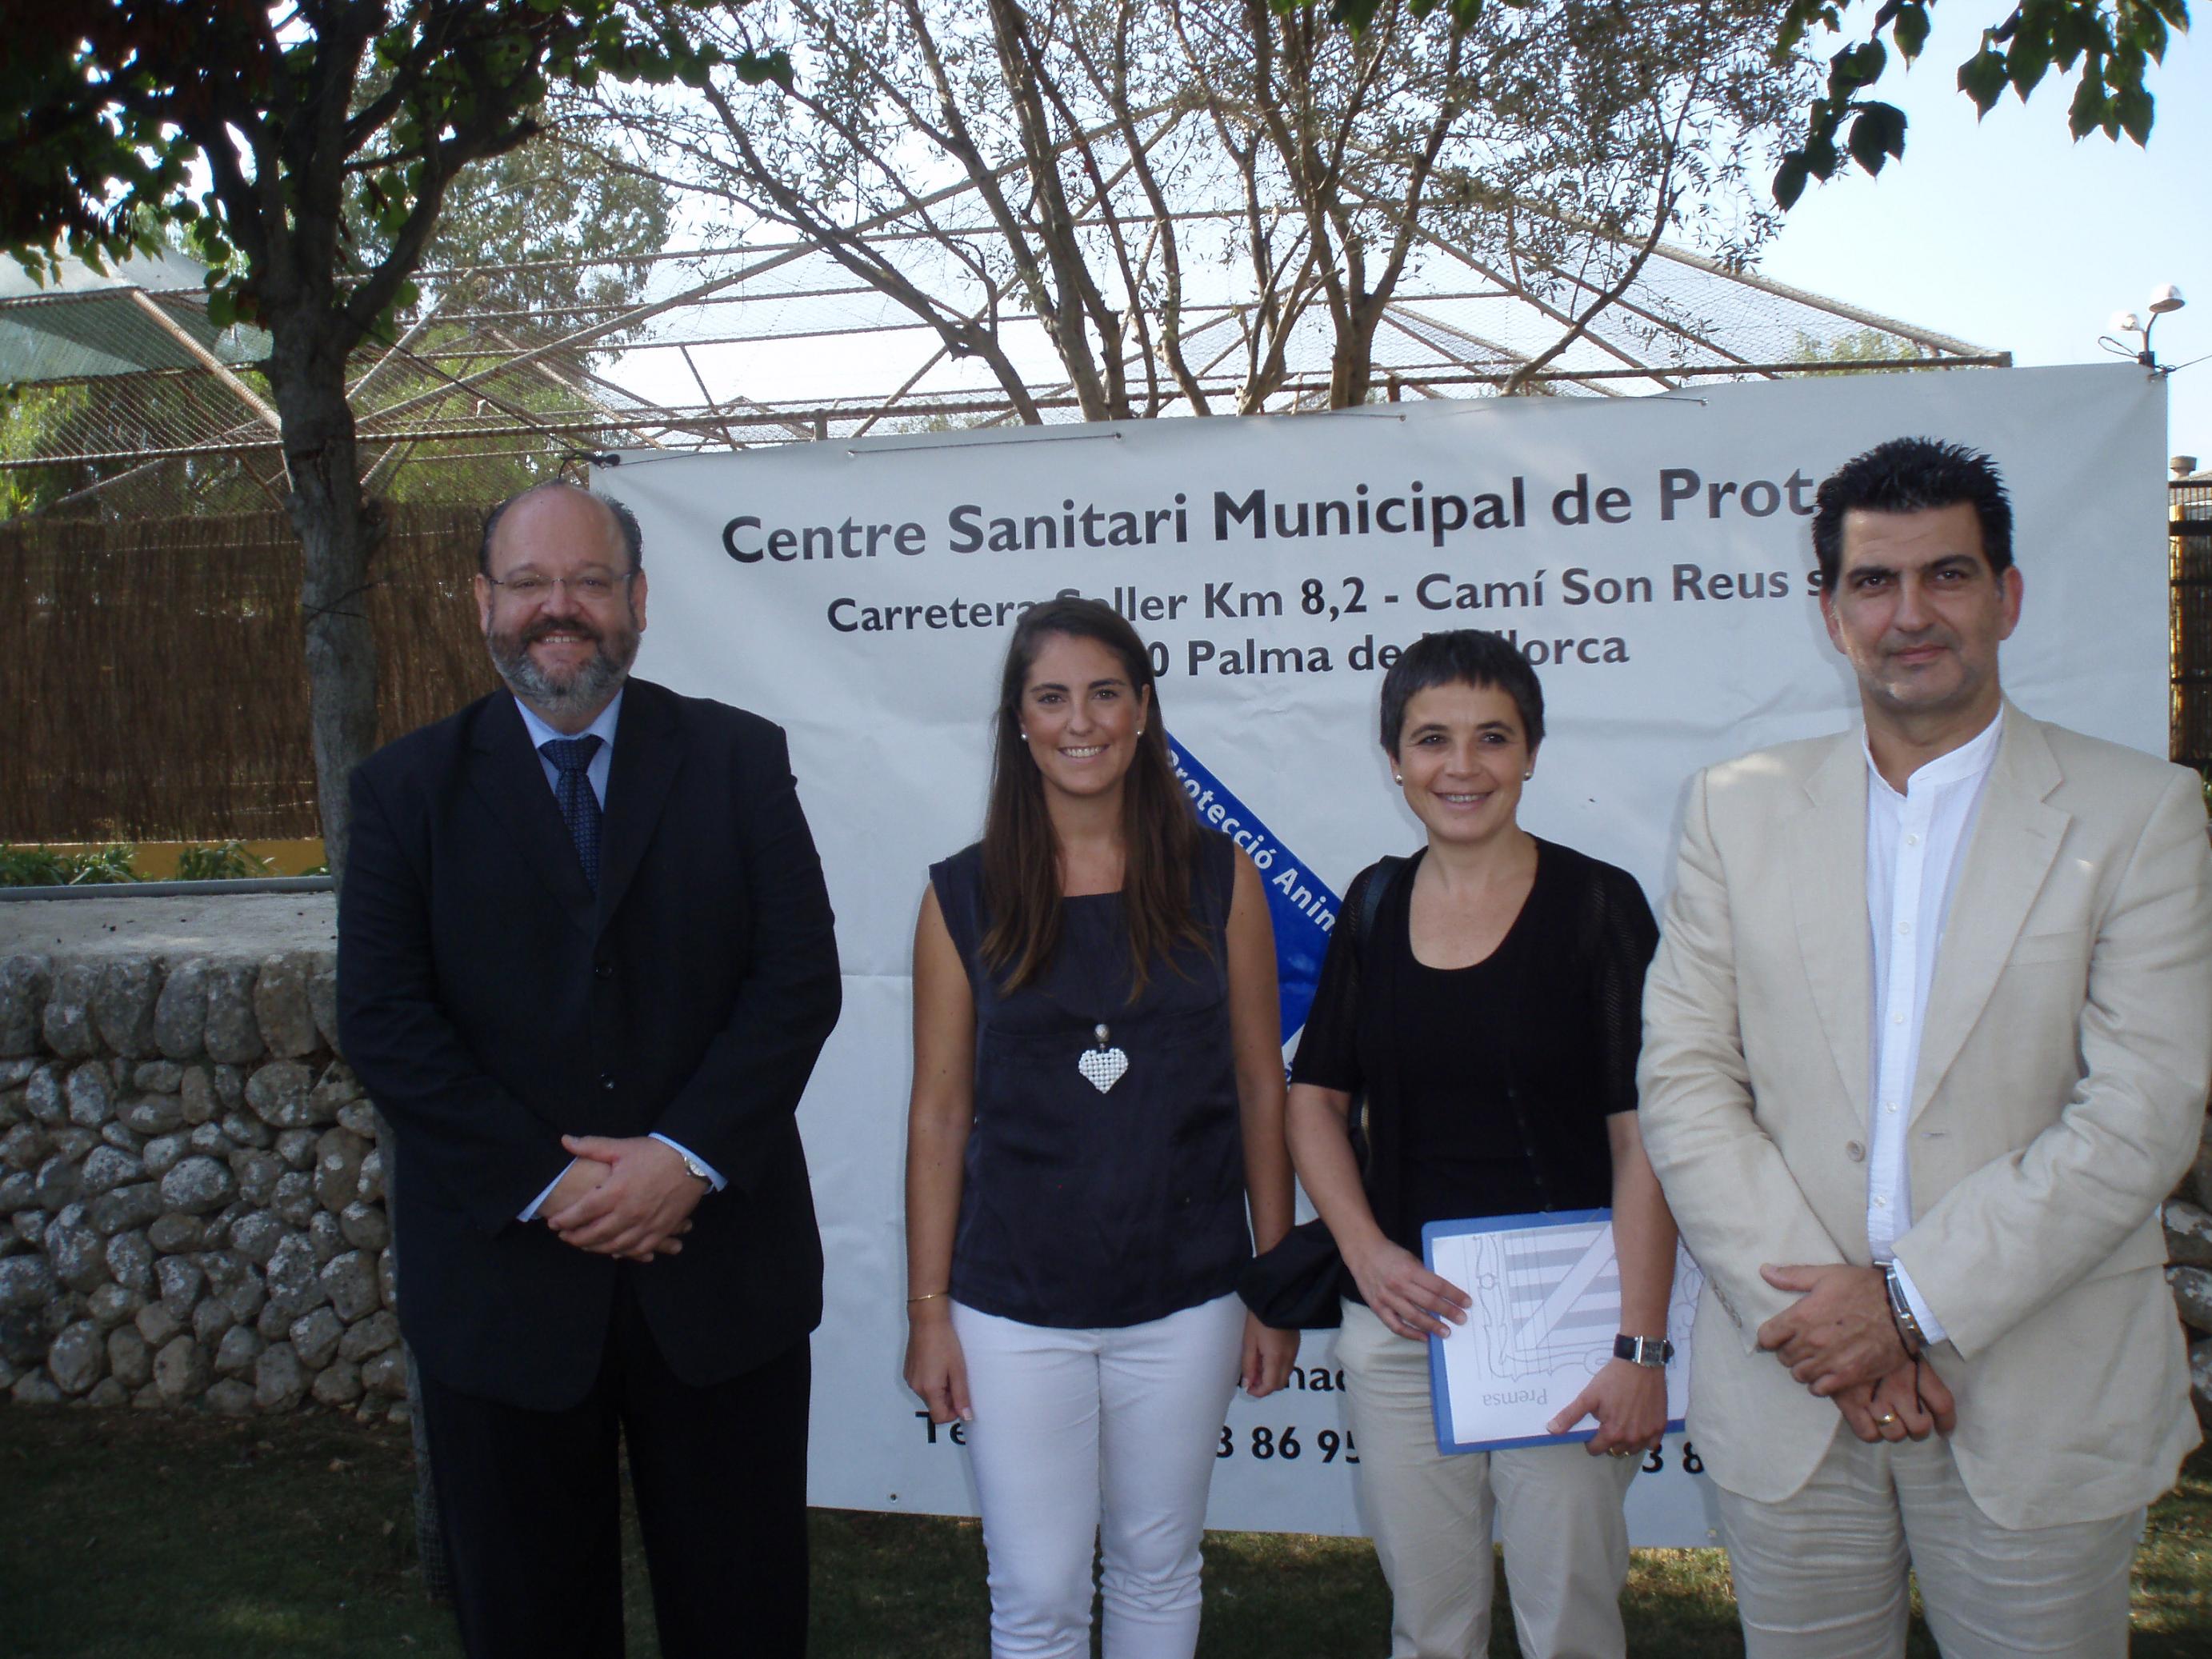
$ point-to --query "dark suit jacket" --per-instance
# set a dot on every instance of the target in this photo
(490, 1003)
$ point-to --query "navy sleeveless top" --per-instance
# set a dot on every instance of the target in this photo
(1081, 1209)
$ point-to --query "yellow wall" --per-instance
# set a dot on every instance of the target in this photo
(156, 861)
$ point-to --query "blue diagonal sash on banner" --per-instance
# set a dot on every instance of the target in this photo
(1301, 905)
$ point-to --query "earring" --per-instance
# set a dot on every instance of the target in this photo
(1528, 774)
(1397, 777)
(1140, 730)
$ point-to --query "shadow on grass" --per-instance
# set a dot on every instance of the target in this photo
(132, 1536)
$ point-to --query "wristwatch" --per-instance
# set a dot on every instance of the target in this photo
(1652, 1351)
(693, 1167)
(1909, 1334)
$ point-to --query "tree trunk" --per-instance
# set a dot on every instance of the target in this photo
(1352, 363)
(340, 532)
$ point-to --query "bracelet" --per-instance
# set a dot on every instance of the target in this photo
(1909, 1336)
(933, 1296)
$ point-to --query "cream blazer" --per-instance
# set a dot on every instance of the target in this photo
(2060, 1094)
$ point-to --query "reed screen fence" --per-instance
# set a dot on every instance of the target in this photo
(155, 682)
(2190, 647)
(157, 688)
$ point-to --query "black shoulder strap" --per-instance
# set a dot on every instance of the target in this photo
(1382, 876)
(1379, 879)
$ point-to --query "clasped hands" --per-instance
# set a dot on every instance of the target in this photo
(1839, 1341)
(631, 1197)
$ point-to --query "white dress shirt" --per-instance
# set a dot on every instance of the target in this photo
(596, 775)
(1913, 843)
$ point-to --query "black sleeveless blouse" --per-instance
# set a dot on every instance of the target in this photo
(1081, 1209)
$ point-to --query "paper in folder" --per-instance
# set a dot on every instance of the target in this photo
(1546, 1306)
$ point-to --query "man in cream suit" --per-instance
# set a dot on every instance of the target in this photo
(1926, 1042)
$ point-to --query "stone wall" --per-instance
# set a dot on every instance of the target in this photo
(191, 1193)
(192, 1199)
(2188, 1217)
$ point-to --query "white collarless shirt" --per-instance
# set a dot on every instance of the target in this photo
(1913, 848)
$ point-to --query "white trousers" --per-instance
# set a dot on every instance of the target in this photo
(1821, 1575)
(1558, 1509)
(1104, 1439)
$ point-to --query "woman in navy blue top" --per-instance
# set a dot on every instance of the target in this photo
(1097, 1105)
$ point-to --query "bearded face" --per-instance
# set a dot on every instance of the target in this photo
(562, 603)
(564, 665)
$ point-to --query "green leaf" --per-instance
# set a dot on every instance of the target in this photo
(1877, 135)
(1789, 180)
(2075, 31)
(1911, 31)
(1982, 78)
(755, 69)
(2146, 34)
(1799, 19)
(2024, 64)
(2087, 112)
(1853, 68)
(2134, 108)
(1865, 144)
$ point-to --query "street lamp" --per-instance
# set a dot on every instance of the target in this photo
(2165, 298)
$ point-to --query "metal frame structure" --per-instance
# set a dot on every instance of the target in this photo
(772, 342)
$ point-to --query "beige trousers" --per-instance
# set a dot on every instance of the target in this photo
(1821, 1575)
(1566, 1542)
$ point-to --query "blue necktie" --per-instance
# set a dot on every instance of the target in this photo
(579, 807)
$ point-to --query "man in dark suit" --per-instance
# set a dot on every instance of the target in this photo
(585, 963)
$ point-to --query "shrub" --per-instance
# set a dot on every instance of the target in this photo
(229, 862)
(41, 867)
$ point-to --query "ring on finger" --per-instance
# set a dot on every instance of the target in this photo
(1884, 1420)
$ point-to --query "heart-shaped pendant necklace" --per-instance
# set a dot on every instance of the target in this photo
(1102, 1065)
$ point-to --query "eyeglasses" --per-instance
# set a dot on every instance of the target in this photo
(591, 588)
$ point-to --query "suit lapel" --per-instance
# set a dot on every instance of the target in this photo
(1827, 893)
(649, 750)
(508, 777)
(2016, 838)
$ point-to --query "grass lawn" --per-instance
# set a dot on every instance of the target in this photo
(128, 1536)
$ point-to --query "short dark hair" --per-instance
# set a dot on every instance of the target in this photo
(1912, 474)
(625, 521)
(1462, 656)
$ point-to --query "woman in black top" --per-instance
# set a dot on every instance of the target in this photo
(1491, 1021)
(1097, 1099)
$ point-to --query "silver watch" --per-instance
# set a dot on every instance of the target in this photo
(694, 1167)
(1909, 1336)
(1652, 1351)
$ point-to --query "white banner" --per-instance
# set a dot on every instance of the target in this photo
(1650, 556)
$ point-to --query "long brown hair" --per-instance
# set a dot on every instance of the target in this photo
(1021, 853)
